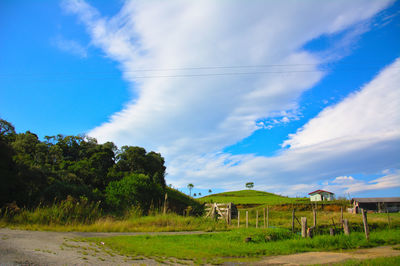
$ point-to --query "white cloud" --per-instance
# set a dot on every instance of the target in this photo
(191, 119)
(359, 135)
(352, 185)
(343, 179)
(70, 46)
(372, 114)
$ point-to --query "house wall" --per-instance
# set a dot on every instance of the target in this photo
(319, 197)
(315, 197)
(328, 196)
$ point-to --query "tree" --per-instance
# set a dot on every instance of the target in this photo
(194, 195)
(199, 194)
(190, 186)
(136, 160)
(209, 191)
(250, 185)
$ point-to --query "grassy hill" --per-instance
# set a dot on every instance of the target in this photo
(178, 201)
(252, 197)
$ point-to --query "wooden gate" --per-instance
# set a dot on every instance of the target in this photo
(222, 211)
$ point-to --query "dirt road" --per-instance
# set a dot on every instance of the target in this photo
(18, 247)
(308, 258)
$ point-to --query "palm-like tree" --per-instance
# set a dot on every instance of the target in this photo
(190, 186)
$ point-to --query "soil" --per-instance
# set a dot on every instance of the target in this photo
(311, 258)
(19, 247)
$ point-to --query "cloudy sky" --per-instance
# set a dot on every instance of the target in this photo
(291, 95)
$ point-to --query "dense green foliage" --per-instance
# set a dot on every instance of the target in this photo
(251, 197)
(231, 246)
(34, 172)
(133, 190)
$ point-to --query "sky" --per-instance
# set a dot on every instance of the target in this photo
(291, 95)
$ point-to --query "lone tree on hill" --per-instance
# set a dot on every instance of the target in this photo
(190, 186)
(209, 191)
(250, 185)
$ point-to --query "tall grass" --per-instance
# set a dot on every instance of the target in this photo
(66, 212)
(82, 215)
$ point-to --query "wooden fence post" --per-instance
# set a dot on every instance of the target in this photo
(310, 231)
(315, 217)
(387, 211)
(229, 213)
(341, 215)
(165, 203)
(304, 226)
(257, 219)
(264, 216)
(247, 219)
(331, 231)
(346, 227)
(365, 221)
(238, 219)
(293, 211)
(267, 216)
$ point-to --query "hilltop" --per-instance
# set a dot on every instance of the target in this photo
(252, 197)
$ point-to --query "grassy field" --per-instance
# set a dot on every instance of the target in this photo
(231, 246)
(386, 261)
(252, 197)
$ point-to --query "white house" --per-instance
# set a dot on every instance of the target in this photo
(321, 195)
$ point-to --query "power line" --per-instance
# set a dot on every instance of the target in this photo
(86, 77)
(320, 67)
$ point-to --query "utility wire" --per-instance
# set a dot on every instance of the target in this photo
(86, 77)
(319, 68)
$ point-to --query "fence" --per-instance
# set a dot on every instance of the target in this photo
(222, 211)
(227, 211)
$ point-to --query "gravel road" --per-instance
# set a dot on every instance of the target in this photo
(19, 247)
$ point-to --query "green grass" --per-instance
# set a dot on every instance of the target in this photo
(384, 261)
(231, 246)
(251, 197)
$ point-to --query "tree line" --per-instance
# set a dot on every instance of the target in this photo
(34, 172)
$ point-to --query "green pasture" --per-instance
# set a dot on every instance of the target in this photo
(232, 245)
(252, 197)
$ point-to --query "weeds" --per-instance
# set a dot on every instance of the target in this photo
(69, 211)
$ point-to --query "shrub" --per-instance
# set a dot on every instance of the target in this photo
(134, 190)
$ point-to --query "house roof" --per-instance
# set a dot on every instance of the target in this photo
(375, 200)
(320, 191)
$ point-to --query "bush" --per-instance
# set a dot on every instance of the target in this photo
(134, 190)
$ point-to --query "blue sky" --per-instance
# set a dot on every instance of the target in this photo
(294, 96)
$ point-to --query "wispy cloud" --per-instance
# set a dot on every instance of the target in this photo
(70, 46)
(353, 185)
(191, 119)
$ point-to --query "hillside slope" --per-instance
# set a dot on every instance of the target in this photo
(178, 201)
(251, 197)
